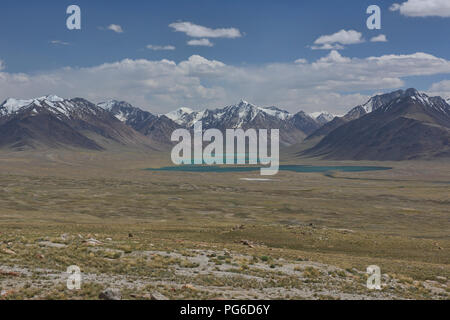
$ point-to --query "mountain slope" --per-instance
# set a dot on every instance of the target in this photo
(53, 122)
(357, 112)
(411, 125)
(156, 128)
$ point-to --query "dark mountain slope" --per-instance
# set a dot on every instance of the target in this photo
(408, 127)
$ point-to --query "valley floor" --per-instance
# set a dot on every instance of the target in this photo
(183, 235)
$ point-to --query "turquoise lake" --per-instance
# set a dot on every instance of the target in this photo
(294, 168)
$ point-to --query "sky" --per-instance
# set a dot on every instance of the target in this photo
(164, 54)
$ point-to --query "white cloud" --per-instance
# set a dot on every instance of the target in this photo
(441, 88)
(301, 61)
(444, 85)
(333, 57)
(423, 8)
(328, 46)
(329, 83)
(115, 27)
(197, 31)
(380, 38)
(337, 40)
(59, 42)
(159, 48)
(200, 42)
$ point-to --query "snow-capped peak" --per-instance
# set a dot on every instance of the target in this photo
(179, 115)
(315, 115)
(62, 108)
(322, 116)
(12, 105)
(242, 112)
(386, 101)
(276, 112)
(107, 105)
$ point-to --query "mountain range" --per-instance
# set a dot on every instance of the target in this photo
(404, 124)
(244, 115)
(54, 122)
(400, 125)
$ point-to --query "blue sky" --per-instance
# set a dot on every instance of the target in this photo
(37, 47)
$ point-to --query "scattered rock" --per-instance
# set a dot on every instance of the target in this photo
(345, 231)
(157, 296)
(8, 251)
(52, 244)
(92, 242)
(189, 286)
(110, 294)
(247, 243)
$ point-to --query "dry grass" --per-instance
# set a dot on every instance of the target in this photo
(306, 235)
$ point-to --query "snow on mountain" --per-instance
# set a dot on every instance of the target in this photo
(435, 103)
(185, 116)
(50, 103)
(244, 112)
(275, 112)
(386, 101)
(322, 116)
(108, 105)
(178, 114)
(122, 110)
(13, 105)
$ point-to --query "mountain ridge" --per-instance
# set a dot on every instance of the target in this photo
(54, 122)
(409, 125)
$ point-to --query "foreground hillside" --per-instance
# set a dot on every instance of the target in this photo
(194, 236)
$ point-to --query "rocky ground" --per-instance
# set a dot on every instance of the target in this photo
(191, 273)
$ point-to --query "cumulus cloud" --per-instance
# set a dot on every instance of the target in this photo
(337, 40)
(441, 88)
(329, 83)
(197, 31)
(115, 27)
(423, 8)
(380, 38)
(333, 57)
(200, 42)
(160, 48)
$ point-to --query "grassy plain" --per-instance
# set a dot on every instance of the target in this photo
(213, 235)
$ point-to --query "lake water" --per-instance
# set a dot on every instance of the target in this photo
(294, 168)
